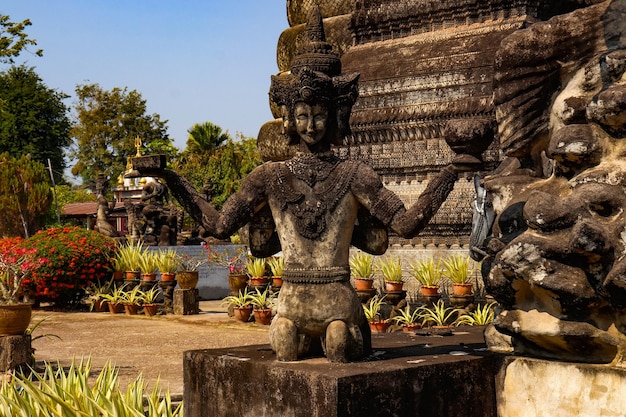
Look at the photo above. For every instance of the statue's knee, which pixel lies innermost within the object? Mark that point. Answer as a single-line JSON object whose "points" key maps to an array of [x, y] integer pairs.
{"points": [[284, 339], [343, 342]]}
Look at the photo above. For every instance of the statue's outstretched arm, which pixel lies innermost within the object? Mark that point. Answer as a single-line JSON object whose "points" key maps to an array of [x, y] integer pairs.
{"points": [[236, 212], [408, 223], [387, 207]]}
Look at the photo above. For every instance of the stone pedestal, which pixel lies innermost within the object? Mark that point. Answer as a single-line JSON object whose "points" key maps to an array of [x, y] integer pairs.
{"points": [[167, 288], [407, 375], [539, 388], [186, 301], [15, 351]]}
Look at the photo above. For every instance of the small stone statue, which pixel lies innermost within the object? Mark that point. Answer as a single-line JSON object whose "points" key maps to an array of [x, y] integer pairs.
{"points": [[313, 207], [102, 224]]}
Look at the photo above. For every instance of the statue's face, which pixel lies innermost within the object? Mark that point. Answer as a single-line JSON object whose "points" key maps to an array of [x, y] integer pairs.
{"points": [[311, 122]]}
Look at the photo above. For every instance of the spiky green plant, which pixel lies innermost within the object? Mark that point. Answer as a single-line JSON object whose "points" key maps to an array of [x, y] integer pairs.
{"points": [[391, 269], [407, 317], [256, 267], [261, 299], [167, 261], [276, 263], [482, 315], [242, 299], [60, 393], [150, 296], [438, 315], [458, 269], [130, 254], [426, 272], [362, 265], [372, 308]]}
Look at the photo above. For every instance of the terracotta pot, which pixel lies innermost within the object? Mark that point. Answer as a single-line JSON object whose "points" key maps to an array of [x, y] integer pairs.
{"points": [[363, 284], [429, 290], [168, 276], [150, 309], [131, 309], [393, 286], [148, 277], [187, 279], [118, 275], [379, 326], [462, 289], [263, 316], [258, 281], [100, 306], [409, 328], [132, 274], [116, 308], [15, 318], [237, 282], [277, 281], [242, 313]]}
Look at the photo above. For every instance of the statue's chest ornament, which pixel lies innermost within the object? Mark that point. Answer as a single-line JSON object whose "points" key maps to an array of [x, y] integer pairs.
{"points": [[325, 181]]}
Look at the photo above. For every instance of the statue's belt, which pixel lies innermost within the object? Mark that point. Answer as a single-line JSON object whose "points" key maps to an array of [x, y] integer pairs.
{"points": [[317, 275]]}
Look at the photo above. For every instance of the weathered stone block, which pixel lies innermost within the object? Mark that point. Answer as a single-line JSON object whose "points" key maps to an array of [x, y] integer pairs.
{"points": [[408, 376], [186, 301], [15, 351], [533, 387]]}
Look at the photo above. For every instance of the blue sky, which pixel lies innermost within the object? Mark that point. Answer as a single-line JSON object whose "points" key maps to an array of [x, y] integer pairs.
{"points": [[191, 60]]}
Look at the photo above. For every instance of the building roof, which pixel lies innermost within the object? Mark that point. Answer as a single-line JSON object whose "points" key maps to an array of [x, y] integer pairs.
{"points": [[88, 209]]}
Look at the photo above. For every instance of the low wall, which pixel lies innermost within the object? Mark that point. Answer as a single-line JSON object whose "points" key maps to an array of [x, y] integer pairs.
{"points": [[213, 280]]}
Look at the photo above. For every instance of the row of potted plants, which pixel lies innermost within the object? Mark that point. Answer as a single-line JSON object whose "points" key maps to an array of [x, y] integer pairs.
{"points": [[456, 269], [257, 303], [437, 315], [119, 298]]}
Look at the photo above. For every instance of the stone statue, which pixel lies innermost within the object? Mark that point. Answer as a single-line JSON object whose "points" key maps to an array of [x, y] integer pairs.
{"points": [[555, 259], [313, 207], [102, 224], [160, 227]]}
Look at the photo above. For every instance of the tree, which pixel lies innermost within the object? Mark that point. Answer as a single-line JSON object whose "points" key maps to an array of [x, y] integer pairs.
{"points": [[33, 118], [13, 39], [107, 124], [205, 138], [220, 171], [25, 196]]}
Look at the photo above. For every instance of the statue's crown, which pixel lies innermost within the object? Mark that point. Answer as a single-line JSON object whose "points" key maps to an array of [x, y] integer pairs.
{"points": [[315, 75]]}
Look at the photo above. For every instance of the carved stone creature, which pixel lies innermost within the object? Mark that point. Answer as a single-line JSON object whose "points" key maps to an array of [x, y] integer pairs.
{"points": [[557, 255], [102, 224], [313, 207]]}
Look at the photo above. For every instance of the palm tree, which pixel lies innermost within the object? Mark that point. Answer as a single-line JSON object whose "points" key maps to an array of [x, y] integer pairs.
{"points": [[205, 138]]}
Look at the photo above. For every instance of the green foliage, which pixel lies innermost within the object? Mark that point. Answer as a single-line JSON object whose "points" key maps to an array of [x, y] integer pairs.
{"points": [[372, 308], [261, 299], [391, 269], [457, 269], [406, 316], [277, 264], [205, 138], [149, 262], [219, 170], [439, 314], [128, 256], [242, 299], [13, 39], [256, 267], [33, 119], [133, 296], [107, 124], [167, 261], [56, 392], [482, 315], [150, 296], [25, 196], [76, 258], [362, 265], [427, 272]]}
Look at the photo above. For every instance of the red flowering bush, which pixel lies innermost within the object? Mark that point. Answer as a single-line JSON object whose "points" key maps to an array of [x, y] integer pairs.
{"points": [[76, 258], [16, 265]]}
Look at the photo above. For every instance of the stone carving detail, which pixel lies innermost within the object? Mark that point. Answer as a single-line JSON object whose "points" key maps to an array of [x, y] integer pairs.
{"points": [[556, 256]]}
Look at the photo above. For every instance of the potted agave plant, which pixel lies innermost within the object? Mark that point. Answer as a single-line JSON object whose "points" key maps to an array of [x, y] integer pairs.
{"points": [[362, 269], [391, 270], [130, 255], [241, 305], [256, 270], [262, 303], [408, 319], [149, 301], [372, 314], [428, 274], [167, 263], [439, 316], [95, 296], [16, 265], [457, 269], [277, 263], [116, 299], [148, 265], [131, 300]]}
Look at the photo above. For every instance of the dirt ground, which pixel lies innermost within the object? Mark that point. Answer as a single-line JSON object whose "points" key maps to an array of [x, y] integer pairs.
{"points": [[152, 346]]}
